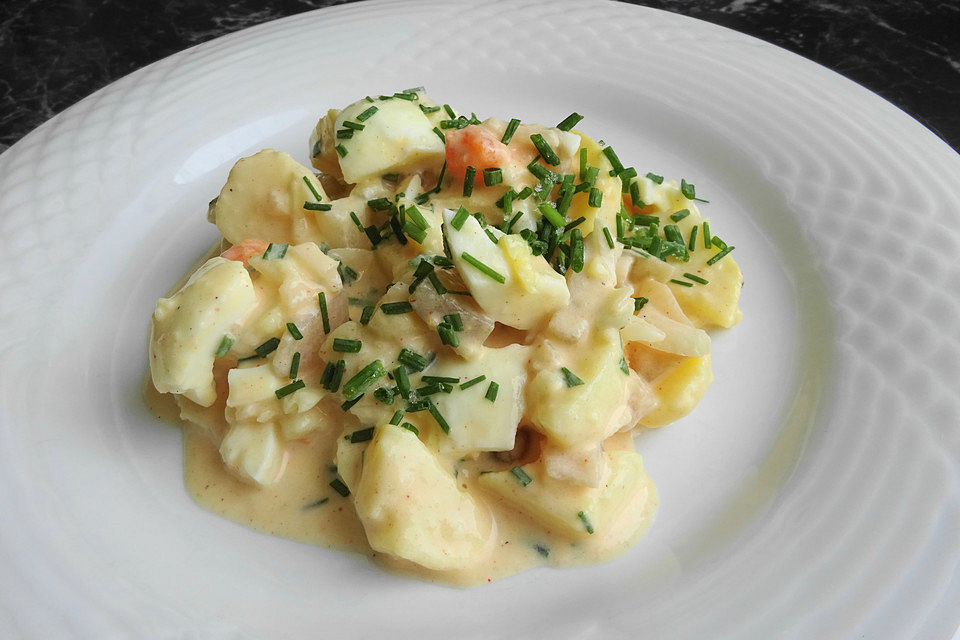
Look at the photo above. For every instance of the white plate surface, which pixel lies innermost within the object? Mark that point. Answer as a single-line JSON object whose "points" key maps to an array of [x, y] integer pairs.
{"points": [[815, 493]]}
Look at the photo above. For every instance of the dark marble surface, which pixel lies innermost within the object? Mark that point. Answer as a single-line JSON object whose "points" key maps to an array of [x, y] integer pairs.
{"points": [[55, 52]]}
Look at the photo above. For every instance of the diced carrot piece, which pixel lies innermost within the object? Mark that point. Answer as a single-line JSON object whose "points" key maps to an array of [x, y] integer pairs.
{"points": [[245, 249]]}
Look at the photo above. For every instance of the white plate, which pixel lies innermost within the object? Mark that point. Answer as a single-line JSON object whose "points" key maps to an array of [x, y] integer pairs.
{"points": [[813, 494]]}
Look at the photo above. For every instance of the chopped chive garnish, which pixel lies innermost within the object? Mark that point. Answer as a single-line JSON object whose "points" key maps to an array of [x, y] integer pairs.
{"points": [[570, 378], [624, 367], [718, 243], [620, 229], [655, 178], [443, 262], [570, 121], [361, 435], [549, 155], [347, 274], [609, 238], [614, 160], [356, 221], [682, 283], [356, 126], [696, 278], [412, 359], [689, 191], [492, 177], [450, 111], [327, 375], [522, 476], [437, 285], [707, 240], [672, 233], [429, 110], [459, 218], [344, 134], [552, 215], [362, 117], [635, 195], [490, 235], [337, 485], [586, 522], [583, 163], [455, 321], [439, 379], [469, 176], [591, 177], [411, 428], [492, 391], [363, 379], [275, 251], [396, 308], [346, 406], [509, 226], [343, 345], [313, 189], [482, 268], [397, 417], [224, 347], [639, 302], [417, 234], [595, 199], [403, 382], [283, 392], [524, 193], [294, 365], [336, 375], [314, 505], [322, 299], [380, 204], [448, 335], [341, 150], [511, 129], [470, 383], [373, 234], [576, 251], [317, 206], [440, 135], [294, 331], [679, 215], [719, 256], [414, 214], [267, 347], [438, 417], [693, 239]]}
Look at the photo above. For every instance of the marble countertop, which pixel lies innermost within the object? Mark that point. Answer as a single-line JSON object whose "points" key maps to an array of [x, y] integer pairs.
{"points": [[55, 52]]}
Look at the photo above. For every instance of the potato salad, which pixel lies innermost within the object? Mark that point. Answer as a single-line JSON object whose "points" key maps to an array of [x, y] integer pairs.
{"points": [[434, 345]]}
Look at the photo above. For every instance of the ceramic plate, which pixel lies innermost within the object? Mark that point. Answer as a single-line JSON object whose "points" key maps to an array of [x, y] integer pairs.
{"points": [[813, 494]]}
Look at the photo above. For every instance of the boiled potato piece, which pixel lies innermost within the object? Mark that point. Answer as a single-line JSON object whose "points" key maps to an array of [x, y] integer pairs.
{"points": [[302, 273], [412, 507], [253, 452], [263, 199], [396, 136], [187, 328], [617, 504], [531, 290], [253, 384], [679, 390]]}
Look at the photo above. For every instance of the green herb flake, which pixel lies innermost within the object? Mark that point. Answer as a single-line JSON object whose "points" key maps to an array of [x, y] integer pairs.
{"points": [[337, 485], [548, 154], [522, 476], [342, 345], [365, 115], [570, 121], [275, 251], [586, 522], [361, 435], [510, 130], [283, 392], [719, 256], [470, 383], [396, 308], [267, 347], [224, 347], [492, 391], [363, 380], [696, 278], [324, 315], [677, 216], [570, 378], [482, 268], [492, 176], [655, 178]]}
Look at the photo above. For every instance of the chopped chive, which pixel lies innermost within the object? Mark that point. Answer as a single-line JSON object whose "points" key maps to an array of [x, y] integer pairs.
{"points": [[342, 345], [341, 150], [362, 117], [707, 240], [411, 428], [492, 237], [679, 215], [224, 347], [442, 261], [414, 214], [450, 111], [619, 226], [327, 375], [275, 251], [614, 160], [595, 199], [437, 285], [609, 238], [322, 299], [655, 178], [459, 218], [570, 378], [355, 126], [440, 135], [576, 251], [511, 129], [672, 233], [336, 376], [294, 365], [314, 505], [506, 203], [317, 206], [689, 191], [644, 219], [492, 177], [347, 274], [549, 155], [356, 221], [313, 189], [522, 476], [363, 379], [346, 406], [718, 243], [469, 176], [696, 278], [484, 269], [448, 335], [283, 392], [397, 417], [570, 121], [470, 383], [396, 308], [456, 322], [635, 195], [337, 485], [509, 226], [345, 134], [438, 417], [583, 163], [492, 391], [682, 283], [591, 177], [624, 367], [380, 204], [403, 382], [294, 331], [361, 435], [524, 193], [417, 234], [552, 215], [626, 177], [428, 110], [586, 522], [639, 302], [373, 234], [267, 347], [412, 359], [719, 256], [693, 239]]}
